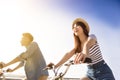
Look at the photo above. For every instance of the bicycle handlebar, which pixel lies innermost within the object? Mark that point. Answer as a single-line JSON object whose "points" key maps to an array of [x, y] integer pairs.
{"points": [[71, 62], [60, 75]]}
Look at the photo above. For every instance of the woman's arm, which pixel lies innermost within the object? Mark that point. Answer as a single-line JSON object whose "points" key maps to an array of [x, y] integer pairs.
{"points": [[65, 57], [80, 57], [89, 43]]}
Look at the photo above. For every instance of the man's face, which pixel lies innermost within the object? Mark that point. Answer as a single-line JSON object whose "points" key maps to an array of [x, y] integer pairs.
{"points": [[25, 41]]}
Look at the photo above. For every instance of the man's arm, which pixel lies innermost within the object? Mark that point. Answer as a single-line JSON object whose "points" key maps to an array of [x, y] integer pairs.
{"points": [[17, 67], [17, 59]]}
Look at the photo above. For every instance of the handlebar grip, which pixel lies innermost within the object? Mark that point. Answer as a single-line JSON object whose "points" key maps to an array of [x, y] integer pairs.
{"points": [[88, 60], [46, 68]]}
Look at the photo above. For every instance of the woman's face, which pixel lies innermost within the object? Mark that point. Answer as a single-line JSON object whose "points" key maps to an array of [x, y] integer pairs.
{"points": [[77, 30]]}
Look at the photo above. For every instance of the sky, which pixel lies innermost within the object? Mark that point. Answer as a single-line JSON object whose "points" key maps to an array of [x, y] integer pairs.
{"points": [[50, 23]]}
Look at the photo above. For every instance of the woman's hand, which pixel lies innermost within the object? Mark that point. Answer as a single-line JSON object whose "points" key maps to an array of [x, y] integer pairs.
{"points": [[80, 58]]}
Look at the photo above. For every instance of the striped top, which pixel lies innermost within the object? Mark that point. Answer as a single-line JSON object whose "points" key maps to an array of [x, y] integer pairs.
{"points": [[95, 54]]}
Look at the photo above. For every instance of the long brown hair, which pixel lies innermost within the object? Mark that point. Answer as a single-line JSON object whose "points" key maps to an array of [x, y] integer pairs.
{"points": [[77, 41]]}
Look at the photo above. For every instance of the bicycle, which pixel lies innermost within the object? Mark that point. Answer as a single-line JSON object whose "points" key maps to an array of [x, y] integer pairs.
{"points": [[4, 75], [61, 75]]}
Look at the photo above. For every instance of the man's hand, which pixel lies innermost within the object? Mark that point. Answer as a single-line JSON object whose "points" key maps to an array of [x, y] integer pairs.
{"points": [[49, 66], [1, 73], [2, 64], [9, 70]]}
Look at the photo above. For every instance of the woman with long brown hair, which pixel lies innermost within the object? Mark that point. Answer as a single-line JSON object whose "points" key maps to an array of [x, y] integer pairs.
{"points": [[86, 46]]}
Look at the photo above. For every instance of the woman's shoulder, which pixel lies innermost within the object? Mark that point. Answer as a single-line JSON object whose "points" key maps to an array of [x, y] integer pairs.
{"points": [[92, 39], [92, 36]]}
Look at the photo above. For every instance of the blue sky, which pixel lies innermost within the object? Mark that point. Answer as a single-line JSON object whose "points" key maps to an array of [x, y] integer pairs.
{"points": [[107, 10], [50, 23]]}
